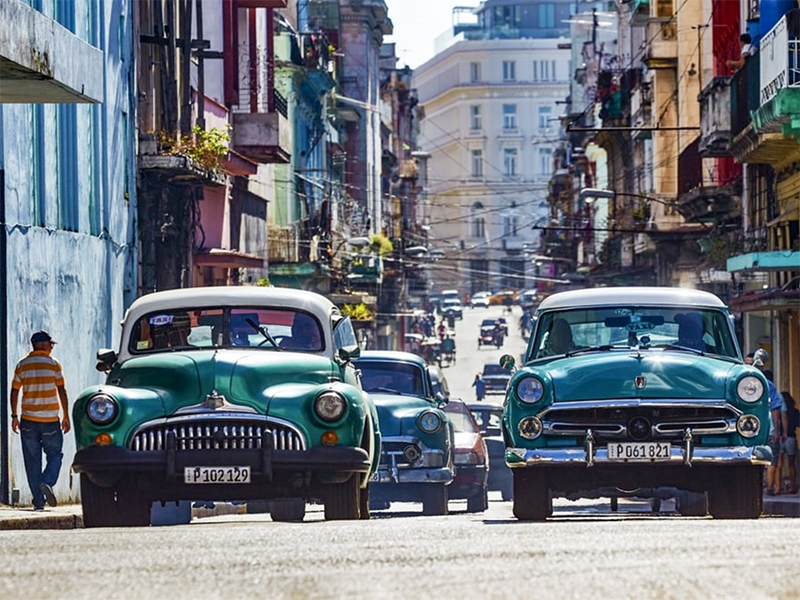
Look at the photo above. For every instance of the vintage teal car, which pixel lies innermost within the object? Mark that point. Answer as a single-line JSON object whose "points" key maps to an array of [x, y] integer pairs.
{"points": [[227, 393], [417, 460], [627, 389]]}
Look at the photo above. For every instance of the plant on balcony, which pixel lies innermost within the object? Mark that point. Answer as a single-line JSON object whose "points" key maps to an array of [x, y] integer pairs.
{"points": [[206, 148], [357, 312]]}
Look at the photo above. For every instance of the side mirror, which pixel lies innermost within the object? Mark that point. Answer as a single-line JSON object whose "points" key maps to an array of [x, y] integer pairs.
{"points": [[348, 353], [440, 399], [507, 362], [105, 359], [761, 357]]}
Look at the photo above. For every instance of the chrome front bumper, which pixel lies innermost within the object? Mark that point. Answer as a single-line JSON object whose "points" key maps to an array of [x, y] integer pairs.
{"points": [[413, 475], [725, 455]]}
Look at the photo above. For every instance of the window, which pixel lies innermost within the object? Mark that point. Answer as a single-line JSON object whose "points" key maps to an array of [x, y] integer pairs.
{"points": [[474, 71], [509, 116], [475, 117], [477, 163], [544, 117], [507, 16], [509, 70], [544, 70], [545, 161], [477, 220], [510, 225], [510, 161], [547, 15]]}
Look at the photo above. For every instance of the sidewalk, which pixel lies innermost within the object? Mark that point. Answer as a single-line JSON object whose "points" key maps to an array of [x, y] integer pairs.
{"points": [[69, 516]]}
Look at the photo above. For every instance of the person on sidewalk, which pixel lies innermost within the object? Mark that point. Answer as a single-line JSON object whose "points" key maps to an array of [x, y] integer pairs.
{"points": [[480, 387], [790, 421], [775, 409], [39, 377]]}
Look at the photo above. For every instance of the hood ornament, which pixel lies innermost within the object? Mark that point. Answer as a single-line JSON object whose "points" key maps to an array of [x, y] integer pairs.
{"points": [[214, 400], [640, 382]]}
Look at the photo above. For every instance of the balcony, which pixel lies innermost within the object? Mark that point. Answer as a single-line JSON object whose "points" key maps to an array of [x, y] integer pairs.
{"points": [[642, 108], [640, 13], [265, 136], [662, 53], [745, 91], [715, 118], [711, 203]]}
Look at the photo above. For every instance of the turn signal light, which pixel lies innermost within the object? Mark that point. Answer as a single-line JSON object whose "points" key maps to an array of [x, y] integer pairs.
{"points": [[102, 439], [329, 438]]}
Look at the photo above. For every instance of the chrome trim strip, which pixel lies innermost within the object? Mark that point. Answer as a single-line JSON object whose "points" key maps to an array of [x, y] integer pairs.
{"points": [[436, 475], [525, 457], [640, 403]]}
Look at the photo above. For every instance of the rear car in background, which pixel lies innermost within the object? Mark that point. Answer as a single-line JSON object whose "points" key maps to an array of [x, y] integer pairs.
{"points": [[529, 299], [496, 378], [633, 391], [480, 300], [471, 459], [416, 460], [489, 419], [452, 306]]}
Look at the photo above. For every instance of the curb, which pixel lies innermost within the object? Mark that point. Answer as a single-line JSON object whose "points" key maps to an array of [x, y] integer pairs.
{"points": [[53, 522], [784, 509]]}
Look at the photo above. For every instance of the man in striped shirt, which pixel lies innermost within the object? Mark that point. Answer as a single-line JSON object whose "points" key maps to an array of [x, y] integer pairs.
{"points": [[39, 377]]}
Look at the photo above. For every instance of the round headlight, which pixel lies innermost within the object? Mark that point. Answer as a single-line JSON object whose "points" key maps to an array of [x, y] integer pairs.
{"points": [[748, 426], [429, 422], [750, 389], [101, 409], [329, 406], [530, 428], [530, 390]]}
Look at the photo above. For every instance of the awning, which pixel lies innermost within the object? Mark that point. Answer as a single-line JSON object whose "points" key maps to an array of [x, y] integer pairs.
{"points": [[777, 260], [765, 300], [227, 259], [238, 164]]}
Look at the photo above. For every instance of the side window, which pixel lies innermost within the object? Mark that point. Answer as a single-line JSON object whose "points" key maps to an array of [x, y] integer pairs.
{"points": [[344, 335]]}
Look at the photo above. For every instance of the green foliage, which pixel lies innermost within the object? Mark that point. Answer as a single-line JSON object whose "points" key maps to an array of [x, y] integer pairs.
{"points": [[357, 312], [203, 147], [381, 244]]}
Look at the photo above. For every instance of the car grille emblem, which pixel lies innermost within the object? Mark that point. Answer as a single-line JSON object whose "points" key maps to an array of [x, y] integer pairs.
{"points": [[640, 382], [214, 400], [639, 428]]}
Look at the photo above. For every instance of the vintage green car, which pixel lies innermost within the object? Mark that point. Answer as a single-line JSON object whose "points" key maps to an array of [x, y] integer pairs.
{"points": [[417, 455], [227, 393], [627, 389]]}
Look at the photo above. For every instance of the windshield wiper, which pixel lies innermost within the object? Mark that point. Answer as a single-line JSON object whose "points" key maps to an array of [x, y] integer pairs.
{"points": [[387, 391], [590, 349], [679, 347], [263, 331]]}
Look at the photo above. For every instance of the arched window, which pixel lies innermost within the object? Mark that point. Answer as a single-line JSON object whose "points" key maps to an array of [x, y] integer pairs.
{"points": [[511, 221], [477, 220]]}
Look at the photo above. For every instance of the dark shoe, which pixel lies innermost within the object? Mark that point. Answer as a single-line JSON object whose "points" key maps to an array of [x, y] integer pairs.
{"points": [[38, 508], [48, 494]]}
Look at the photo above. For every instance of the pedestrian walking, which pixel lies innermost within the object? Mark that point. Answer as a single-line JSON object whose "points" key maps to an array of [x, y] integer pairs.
{"points": [[39, 377], [480, 387]]}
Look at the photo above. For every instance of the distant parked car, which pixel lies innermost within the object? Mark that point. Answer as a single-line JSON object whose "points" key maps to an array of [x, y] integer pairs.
{"points": [[417, 462], [439, 382], [496, 378], [235, 393], [504, 298], [471, 459], [480, 299], [452, 306], [489, 419], [529, 299]]}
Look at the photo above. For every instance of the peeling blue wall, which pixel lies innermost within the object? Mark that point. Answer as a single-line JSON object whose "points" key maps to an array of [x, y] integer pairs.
{"points": [[70, 196]]}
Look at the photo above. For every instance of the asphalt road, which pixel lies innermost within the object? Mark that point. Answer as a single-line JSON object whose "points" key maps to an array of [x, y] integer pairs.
{"points": [[583, 552], [470, 359]]}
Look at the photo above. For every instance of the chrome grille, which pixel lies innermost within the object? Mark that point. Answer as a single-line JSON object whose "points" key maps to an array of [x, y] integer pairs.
{"points": [[609, 421], [216, 434]]}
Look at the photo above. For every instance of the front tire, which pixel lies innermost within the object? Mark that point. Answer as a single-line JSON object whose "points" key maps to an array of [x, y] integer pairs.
{"points": [[479, 501], [342, 500], [692, 504], [363, 501], [531, 496], [738, 495], [435, 499], [99, 504]]}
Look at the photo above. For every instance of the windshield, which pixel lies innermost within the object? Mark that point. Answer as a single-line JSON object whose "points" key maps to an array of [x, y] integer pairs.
{"points": [[487, 419], [685, 329], [492, 369], [391, 378], [256, 327], [459, 415]]}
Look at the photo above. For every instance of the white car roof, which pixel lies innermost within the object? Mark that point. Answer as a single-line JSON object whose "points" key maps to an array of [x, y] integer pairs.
{"points": [[201, 297], [643, 296]]}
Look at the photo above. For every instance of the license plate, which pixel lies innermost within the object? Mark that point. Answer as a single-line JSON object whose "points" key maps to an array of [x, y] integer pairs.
{"points": [[216, 475], [639, 451]]}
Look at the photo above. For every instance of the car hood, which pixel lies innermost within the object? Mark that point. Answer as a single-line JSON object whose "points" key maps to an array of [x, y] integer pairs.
{"points": [[466, 440], [397, 414], [610, 375], [244, 378]]}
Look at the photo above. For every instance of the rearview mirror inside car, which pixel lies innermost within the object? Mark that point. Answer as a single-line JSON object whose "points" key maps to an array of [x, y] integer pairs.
{"points": [[507, 362]]}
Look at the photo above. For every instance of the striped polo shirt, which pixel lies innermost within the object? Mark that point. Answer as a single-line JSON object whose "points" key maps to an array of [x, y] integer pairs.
{"points": [[39, 375]]}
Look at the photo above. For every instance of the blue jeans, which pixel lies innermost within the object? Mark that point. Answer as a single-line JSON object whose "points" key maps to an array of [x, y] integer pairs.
{"points": [[38, 438]]}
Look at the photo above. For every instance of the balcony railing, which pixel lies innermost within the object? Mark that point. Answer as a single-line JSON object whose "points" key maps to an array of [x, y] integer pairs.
{"points": [[663, 47], [745, 94], [715, 118]]}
